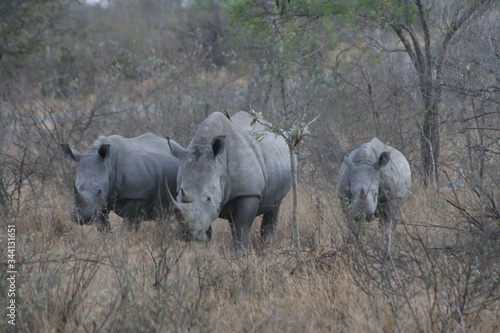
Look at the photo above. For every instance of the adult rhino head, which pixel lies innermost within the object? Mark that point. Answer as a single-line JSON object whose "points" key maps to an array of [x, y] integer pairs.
{"points": [[200, 187], [92, 184], [364, 186]]}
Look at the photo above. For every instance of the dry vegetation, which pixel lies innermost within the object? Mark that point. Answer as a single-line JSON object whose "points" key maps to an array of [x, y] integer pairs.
{"points": [[72, 279], [438, 272]]}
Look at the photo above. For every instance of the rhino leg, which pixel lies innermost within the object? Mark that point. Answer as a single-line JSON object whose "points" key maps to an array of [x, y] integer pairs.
{"points": [[269, 220], [352, 222], [133, 212], [102, 223], [241, 216], [209, 233], [132, 224], [345, 203], [389, 213]]}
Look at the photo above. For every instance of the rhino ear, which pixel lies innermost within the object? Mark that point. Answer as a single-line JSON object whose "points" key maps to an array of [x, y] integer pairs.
{"points": [[70, 152], [218, 145], [383, 159], [349, 162], [176, 149], [103, 151]]}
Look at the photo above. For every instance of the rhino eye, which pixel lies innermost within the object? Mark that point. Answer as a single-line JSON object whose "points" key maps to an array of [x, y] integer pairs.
{"points": [[209, 199]]}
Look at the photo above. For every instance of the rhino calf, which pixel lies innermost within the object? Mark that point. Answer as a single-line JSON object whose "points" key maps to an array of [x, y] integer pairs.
{"points": [[129, 176], [374, 180], [229, 173]]}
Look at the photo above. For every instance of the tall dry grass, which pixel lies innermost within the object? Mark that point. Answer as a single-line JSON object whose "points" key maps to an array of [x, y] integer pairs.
{"points": [[71, 279]]}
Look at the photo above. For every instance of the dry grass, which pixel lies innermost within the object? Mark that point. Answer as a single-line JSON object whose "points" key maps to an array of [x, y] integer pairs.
{"points": [[73, 280]]}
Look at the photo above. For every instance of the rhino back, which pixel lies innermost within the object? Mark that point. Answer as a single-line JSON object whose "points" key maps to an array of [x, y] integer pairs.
{"points": [[396, 176], [140, 165], [272, 156]]}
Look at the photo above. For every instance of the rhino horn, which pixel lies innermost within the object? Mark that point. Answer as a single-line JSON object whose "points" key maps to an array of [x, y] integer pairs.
{"points": [[170, 199], [362, 194], [186, 198]]}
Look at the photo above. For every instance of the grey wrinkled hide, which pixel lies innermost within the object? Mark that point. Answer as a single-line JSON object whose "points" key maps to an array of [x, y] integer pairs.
{"points": [[127, 176], [227, 172], [374, 180]]}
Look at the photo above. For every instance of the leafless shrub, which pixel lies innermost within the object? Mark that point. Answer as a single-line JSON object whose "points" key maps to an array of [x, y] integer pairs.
{"points": [[69, 276], [441, 281], [53, 287]]}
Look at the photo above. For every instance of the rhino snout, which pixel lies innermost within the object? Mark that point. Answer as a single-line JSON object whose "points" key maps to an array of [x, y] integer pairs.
{"points": [[364, 211], [368, 217], [361, 216], [80, 217], [86, 215], [187, 234]]}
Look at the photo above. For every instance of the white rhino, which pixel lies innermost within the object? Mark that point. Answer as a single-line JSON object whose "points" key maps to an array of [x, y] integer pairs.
{"points": [[374, 180], [127, 176], [228, 172]]}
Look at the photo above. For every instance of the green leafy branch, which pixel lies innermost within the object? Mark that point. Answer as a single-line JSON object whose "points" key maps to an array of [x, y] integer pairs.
{"points": [[294, 136]]}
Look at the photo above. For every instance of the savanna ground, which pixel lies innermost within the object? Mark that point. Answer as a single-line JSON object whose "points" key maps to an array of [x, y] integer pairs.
{"points": [[71, 279]]}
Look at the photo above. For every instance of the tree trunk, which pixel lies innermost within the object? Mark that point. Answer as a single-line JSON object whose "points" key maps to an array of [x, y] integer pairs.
{"points": [[430, 146], [294, 222]]}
